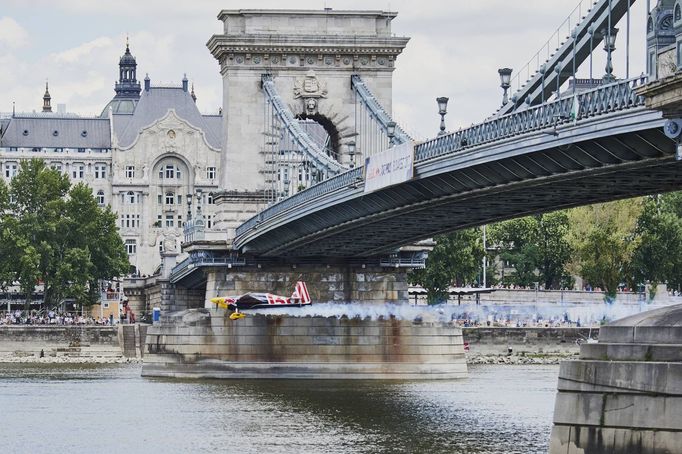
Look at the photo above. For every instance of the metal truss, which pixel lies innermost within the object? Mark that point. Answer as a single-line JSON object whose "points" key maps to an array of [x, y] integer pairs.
{"points": [[376, 111], [606, 99], [313, 152]]}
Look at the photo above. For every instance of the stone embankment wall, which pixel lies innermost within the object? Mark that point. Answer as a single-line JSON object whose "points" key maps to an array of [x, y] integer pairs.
{"points": [[526, 297], [533, 341], [94, 343]]}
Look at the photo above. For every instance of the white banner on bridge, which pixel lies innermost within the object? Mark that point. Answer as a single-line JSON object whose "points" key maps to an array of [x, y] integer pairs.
{"points": [[392, 166]]}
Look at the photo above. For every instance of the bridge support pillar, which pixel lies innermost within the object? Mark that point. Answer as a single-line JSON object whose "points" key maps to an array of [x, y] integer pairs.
{"points": [[326, 283], [235, 207]]}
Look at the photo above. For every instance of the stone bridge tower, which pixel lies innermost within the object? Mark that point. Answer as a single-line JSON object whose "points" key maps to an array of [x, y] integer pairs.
{"points": [[311, 56]]}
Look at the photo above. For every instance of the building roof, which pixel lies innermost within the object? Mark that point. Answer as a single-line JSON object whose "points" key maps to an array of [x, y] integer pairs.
{"points": [[154, 104], [56, 132]]}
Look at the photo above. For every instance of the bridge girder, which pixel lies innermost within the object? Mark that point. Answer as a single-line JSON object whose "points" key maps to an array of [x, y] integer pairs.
{"points": [[610, 157]]}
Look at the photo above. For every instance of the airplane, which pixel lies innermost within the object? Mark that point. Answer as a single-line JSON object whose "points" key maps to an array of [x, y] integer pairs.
{"points": [[299, 298]]}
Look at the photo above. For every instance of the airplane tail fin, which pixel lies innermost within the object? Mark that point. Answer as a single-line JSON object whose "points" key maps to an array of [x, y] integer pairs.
{"points": [[301, 293]]}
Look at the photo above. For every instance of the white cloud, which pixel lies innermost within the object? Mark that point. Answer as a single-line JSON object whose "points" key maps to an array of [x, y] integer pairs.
{"points": [[12, 34], [78, 52], [455, 50]]}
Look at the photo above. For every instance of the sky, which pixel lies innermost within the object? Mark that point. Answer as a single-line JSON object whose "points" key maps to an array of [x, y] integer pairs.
{"points": [[455, 49]]}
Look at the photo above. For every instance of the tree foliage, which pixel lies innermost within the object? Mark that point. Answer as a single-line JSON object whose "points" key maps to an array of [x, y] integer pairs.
{"points": [[603, 236], [455, 260], [537, 247], [657, 256], [55, 233]]}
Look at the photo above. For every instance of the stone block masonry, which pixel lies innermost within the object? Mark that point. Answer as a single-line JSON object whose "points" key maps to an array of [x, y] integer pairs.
{"points": [[326, 283], [624, 394], [203, 343]]}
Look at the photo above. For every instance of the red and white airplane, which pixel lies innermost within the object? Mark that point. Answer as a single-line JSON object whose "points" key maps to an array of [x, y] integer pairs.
{"points": [[299, 298]]}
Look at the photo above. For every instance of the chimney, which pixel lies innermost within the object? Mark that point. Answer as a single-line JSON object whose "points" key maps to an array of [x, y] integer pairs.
{"points": [[185, 83], [147, 82]]}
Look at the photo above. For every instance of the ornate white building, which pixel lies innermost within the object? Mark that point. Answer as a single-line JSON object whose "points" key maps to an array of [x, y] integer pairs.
{"points": [[151, 155]]}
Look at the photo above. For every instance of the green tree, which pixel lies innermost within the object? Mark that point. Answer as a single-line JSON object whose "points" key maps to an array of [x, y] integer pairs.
{"points": [[537, 247], [603, 236], [658, 255], [455, 259], [58, 235]]}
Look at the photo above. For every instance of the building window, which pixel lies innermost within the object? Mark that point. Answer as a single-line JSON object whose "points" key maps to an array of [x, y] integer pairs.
{"points": [[131, 247], [209, 221], [100, 171], [210, 173], [130, 171], [100, 198], [78, 171], [170, 171], [170, 198], [210, 198], [81, 150], [179, 220], [11, 169], [131, 198], [179, 199], [169, 220], [56, 166]]}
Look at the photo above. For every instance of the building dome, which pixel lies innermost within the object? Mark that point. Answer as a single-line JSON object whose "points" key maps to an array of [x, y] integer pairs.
{"points": [[127, 58]]}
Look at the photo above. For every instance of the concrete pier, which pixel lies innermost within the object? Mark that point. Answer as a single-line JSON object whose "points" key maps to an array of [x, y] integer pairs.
{"points": [[205, 343], [624, 394]]}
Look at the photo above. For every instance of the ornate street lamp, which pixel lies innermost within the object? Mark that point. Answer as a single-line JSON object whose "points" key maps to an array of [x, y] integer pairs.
{"points": [[351, 154], [442, 110], [505, 79], [609, 47], [189, 206], [390, 132]]}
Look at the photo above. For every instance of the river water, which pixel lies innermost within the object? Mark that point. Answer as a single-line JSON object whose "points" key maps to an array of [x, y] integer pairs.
{"points": [[111, 409]]}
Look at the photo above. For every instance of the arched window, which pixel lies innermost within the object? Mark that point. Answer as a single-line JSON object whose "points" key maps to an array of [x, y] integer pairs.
{"points": [[678, 12], [131, 198], [100, 198], [170, 198], [650, 25]]}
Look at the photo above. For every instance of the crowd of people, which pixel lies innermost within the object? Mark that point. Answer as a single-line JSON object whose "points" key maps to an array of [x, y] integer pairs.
{"points": [[18, 317]]}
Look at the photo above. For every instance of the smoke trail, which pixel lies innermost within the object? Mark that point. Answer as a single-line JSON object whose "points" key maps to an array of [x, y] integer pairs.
{"points": [[512, 313]]}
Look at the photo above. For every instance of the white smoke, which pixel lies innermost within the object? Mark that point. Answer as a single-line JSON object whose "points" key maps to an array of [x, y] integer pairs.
{"points": [[363, 311], [586, 314]]}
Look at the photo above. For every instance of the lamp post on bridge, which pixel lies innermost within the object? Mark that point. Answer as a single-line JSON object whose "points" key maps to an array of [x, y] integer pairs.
{"points": [[390, 132], [442, 110], [505, 79], [189, 207], [351, 154], [609, 47]]}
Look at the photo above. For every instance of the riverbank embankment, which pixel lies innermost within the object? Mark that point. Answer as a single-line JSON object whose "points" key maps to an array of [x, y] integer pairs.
{"points": [[106, 344], [71, 343], [524, 345]]}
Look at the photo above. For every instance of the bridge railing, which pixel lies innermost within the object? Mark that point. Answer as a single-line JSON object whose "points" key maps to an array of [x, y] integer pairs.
{"points": [[572, 108], [602, 100]]}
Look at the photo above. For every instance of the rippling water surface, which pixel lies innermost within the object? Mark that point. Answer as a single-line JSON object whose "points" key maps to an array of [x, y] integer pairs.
{"points": [[93, 409]]}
